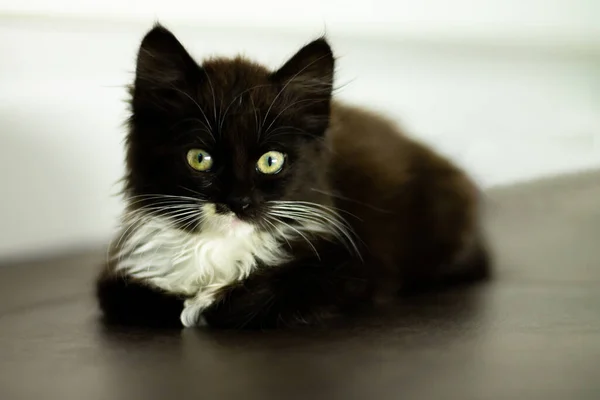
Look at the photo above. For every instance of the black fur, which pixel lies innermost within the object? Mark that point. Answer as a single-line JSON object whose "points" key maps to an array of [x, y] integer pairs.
{"points": [[128, 302], [411, 209]]}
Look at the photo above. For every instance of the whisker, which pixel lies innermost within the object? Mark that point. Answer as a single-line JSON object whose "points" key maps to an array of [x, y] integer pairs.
{"points": [[160, 201], [329, 225], [123, 234], [176, 214], [213, 93], [202, 196], [173, 215], [234, 99], [255, 114], [339, 196], [189, 221], [292, 130], [199, 108], [161, 196], [284, 110], [299, 233], [293, 203], [323, 217], [310, 207], [177, 220], [136, 246], [282, 234]]}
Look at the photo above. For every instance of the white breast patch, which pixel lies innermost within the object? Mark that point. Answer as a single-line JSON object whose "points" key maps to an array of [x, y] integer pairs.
{"points": [[224, 251]]}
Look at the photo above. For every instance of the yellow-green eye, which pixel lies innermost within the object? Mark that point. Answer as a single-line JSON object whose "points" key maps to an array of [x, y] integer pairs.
{"points": [[271, 162], [199, 159]]}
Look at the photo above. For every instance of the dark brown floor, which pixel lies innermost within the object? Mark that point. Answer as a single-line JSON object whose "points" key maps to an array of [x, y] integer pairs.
{"points": [[533, 333]]}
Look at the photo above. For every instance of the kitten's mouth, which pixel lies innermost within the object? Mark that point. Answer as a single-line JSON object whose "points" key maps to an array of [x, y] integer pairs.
{"points": [[242, 215], [232, 224], [235, 221], [224, 220]]}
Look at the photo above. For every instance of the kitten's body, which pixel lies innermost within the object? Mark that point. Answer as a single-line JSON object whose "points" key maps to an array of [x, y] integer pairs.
{"points": [[395, 215]]}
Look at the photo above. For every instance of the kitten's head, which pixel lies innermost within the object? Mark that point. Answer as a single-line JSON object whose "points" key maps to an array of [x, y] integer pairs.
{"points": [[227, 137]]}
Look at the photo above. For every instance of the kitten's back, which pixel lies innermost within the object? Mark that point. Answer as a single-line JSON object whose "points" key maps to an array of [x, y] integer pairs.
{"points": [[408, 204]]}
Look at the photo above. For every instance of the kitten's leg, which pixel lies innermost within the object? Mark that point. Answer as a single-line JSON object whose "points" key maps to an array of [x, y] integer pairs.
{"points": [[471, 265], [191, 315], [455, 223], [305, 292], [126, 301]]}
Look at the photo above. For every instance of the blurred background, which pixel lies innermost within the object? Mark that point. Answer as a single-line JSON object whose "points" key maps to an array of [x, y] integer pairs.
{"points": [[509, 89]]}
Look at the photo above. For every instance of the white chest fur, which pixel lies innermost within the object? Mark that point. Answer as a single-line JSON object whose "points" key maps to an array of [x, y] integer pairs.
{"points": [[197, 265]]}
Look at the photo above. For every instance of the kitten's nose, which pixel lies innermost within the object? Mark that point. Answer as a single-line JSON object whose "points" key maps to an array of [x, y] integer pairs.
{"points": [[238, 204]]}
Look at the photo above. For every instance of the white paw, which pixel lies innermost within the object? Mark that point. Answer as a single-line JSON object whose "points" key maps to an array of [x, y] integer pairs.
{"points": [[191, 315]]}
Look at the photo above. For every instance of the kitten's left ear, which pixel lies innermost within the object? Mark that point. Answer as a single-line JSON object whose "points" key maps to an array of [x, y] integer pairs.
{"points": [[164, 72], [162, 59], [310, 70]]}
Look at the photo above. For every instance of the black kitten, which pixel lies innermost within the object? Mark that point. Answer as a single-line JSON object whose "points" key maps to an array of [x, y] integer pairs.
{"points": [[255, 201]]}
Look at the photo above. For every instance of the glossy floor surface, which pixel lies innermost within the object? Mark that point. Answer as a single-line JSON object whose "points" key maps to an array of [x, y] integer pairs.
{"points": [[533, 332]]}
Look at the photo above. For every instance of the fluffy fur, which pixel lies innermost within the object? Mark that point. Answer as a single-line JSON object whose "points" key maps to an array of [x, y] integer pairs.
{"points": [[358, 214], [223, 252]]}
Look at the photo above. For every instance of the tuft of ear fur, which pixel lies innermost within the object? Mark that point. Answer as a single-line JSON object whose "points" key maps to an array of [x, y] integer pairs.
{"points": [[164, 69], [162, 59], [308, 75], [310, 70]]}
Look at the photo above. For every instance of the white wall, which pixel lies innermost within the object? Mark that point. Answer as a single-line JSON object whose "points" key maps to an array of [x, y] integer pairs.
{"points": [[544, 20], [506, 107]]}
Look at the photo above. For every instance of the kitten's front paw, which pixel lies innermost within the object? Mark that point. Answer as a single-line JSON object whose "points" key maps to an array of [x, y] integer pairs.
{"points": [[191, 315]]}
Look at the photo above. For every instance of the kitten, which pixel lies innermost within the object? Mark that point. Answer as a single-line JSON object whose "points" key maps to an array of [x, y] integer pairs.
{"points": [[255, 200]]}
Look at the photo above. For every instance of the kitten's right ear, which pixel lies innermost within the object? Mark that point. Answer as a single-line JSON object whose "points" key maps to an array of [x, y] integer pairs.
{"points": [[163, 65]]}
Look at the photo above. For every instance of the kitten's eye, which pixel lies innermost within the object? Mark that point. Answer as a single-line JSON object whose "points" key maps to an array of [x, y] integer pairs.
{"points": [[199, 159], [270, 163]]}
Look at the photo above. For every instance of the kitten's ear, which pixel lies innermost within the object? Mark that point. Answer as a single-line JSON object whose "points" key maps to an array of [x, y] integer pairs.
{"points": [[310, 70], [164, 67]]}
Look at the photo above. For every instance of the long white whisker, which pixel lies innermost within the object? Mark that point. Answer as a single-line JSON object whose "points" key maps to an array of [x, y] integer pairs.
{"points": [[299, 233], [266, 132], [314, 207], [282, 234], [210, 129], [123, 234], [212, 89], [294, 204], [292, 130], [174, 215], [324, 222], [167, 207], [233, 101], [255, 114], [339, 196], [137, 217], [189, 221], [326, 218], [142, 197], [138, 245], [175, 221], [327, 224], [201, 196]]}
